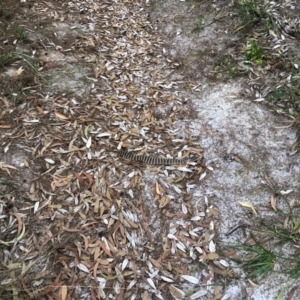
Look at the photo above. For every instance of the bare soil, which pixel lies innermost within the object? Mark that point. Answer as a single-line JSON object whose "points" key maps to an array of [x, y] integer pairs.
{"points": [[81, 80]]}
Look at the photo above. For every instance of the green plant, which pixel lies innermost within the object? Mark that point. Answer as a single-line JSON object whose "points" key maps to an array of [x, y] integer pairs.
{"points": [[250, 11], [274, 248], [17, 97], [199, 24], [260, 262], [4, 13], [253, 12], [285, 98], [227, 67], [253, 52], [275, 242], [10, 57], [21, 34], [6, 187], [5, 58]]}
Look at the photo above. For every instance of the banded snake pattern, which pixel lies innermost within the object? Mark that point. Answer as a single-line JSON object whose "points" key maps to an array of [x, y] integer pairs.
{"points": [[154, 160]]}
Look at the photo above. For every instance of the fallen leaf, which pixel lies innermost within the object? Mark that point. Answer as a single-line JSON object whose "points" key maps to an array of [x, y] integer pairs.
{"points": [[191, 279], [249, 205], [90, 178], [105, 248], [292, 292], [63, 292], [39, 109], [157, 188], [61, 116], [210, 256], [177, 293], [252, 283], [17, 72], [273, 202], [164, 201]]}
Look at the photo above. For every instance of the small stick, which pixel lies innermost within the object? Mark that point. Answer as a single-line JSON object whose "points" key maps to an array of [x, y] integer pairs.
{"points": [[241, 225]]}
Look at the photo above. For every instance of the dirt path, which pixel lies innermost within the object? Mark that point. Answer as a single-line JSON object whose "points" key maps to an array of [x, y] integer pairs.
{"points": [[92, 78]]}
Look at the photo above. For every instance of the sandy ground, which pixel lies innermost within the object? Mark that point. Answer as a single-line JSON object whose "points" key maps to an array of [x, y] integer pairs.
{"points": [[244, 145]]}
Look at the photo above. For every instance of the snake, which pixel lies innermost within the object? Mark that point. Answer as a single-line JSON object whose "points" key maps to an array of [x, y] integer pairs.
{"points": [[153, 160]]}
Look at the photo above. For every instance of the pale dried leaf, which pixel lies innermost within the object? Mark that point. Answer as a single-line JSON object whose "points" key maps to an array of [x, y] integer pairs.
{"points": [[176, 292], [248, 205], [83, 268], [167, 279], [198, 294], [191, 279], [150, 281]]}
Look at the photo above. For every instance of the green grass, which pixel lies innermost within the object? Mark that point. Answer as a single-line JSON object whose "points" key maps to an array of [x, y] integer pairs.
{"points": [[274, 248], [6, 188], [199, 24], [261, 263], [10, 57], [252, 13], [274, 242], [21, 34], [253, 53], [285, 98], [17, 95], [227, 67], [4, 14]]}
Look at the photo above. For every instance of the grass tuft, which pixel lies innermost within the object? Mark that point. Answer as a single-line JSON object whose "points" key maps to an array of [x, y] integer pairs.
{"points": [[261, 260], [21, 34], [253, 53]]}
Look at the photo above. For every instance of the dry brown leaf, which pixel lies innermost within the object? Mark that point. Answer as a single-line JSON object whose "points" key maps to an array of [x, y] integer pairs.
{"points": [[86, 241], [134, 268], [95, 270], [26, 164], [105, 249], [3, 166], [17, 73], [210, 256], [156, 198], [20, 223], [132, 224], [111, 242], [50, 288], [63, 292], [97, 252], [90, 178], [155, 262], [273, 202], [39, 109], [291, 293], [80, 180], [93, 296], [176, 292], [70, 230], [82, 215], [157, 188], [252, 283], [61, 116], [165, 200]]}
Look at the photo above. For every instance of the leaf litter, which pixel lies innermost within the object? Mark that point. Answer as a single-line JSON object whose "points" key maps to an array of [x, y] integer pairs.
{"points": [[96, 226]]}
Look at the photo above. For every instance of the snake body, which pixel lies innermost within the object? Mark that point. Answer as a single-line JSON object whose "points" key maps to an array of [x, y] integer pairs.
{"points": [[152, 160]]}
